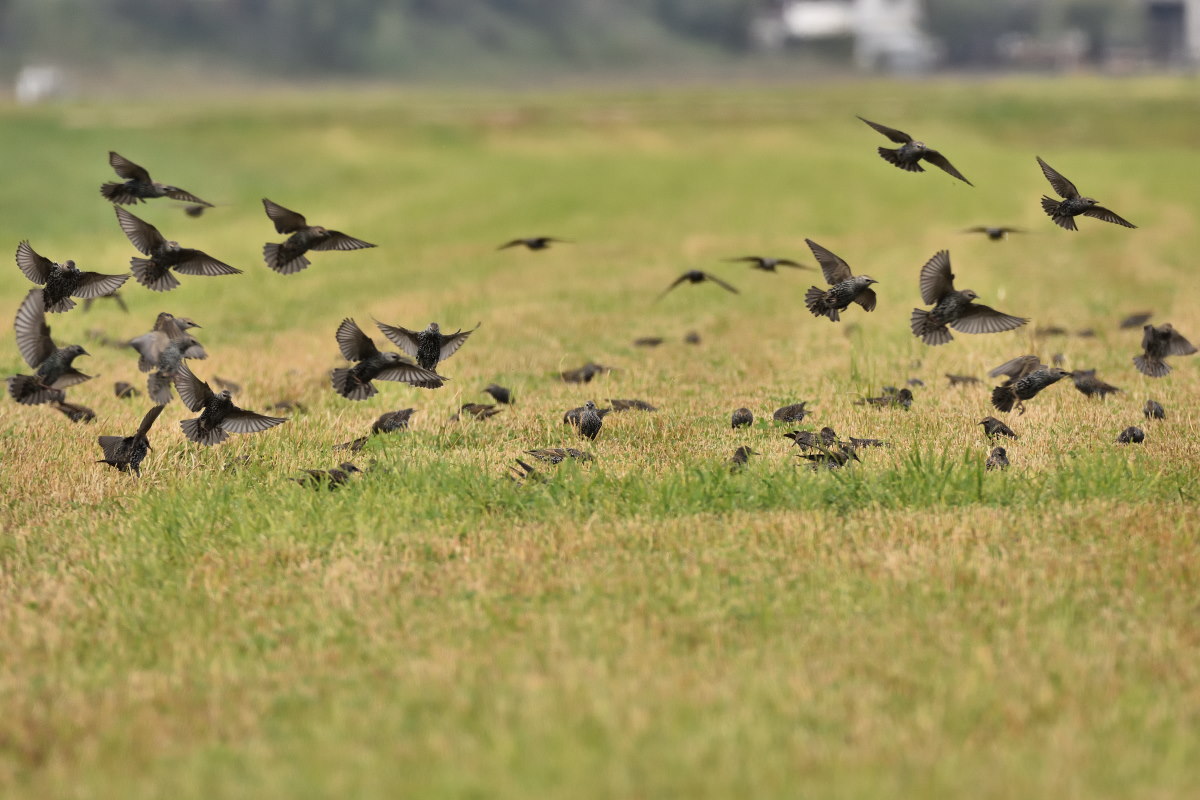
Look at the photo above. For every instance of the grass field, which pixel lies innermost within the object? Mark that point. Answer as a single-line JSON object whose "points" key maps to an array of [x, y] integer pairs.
{"points": [[649, 624]]}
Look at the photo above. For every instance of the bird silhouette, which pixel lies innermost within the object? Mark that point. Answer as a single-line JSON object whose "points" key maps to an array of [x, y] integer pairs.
{"points": [[847, 287], [1073, 204], [139, 187], [911, 152], [219, 417], [354, 383], [127, 452], [62, 281], [953, 308], [155, 272], [697, 276], [288, 257]]}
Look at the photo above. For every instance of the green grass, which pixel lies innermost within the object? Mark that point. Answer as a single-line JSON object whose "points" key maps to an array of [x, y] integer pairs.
{"points": [[649, 624]]}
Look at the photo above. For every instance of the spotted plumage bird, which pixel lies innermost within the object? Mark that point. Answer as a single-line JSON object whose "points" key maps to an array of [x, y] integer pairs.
{"points": [[953, 308], [74, 411], [585, 373], [328, 478], [1087, 382], [961, 380], [219, 417], [847, 287], [127, 452], [742, 418], [155, 272], [354, 383], [794, 412], [287, 258], [697, 276], [632, 405], [766, 263], [387, 423], [590, 421], [430, 346], [125, 391], [741, 457], [533, 242], [827, 458], [1154, 410], [1026, 377], [62, 281], [1131, 435], [557, 455], [476, 411], [52, 364], [499, 393], [997, 459], [574, 416], [899, 398], [911, 152], [139, 187], [1073, 204], [993, 427], [1158, 343], [809, 440], [995, 234]]}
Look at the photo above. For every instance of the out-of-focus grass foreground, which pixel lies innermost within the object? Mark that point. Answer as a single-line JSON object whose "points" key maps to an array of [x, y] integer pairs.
{"points": [[648, 624]]}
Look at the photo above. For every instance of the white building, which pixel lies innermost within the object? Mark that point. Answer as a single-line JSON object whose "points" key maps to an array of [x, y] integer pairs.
{"points": [[1173, 31]]}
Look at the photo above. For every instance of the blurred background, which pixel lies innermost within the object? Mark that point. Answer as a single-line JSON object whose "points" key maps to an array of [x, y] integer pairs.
{"points": [[53, 48]]}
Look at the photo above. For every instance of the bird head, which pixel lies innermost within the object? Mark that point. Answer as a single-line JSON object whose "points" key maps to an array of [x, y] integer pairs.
{"points": [[225, 395], [999, 451], [1091, 201], [346, 466], [590, 405], [1061, 373], [76, 350], [433, 328], [318, 230], [171, 245], [970, 294], [867, 280], [828, 435], [68, 265], [394, 358]]}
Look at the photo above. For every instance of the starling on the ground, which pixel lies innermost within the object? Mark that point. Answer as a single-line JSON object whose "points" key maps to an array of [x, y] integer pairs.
{"points": [[476, 410], [741, 457], [1154, 410], [962, 380], [54, 372], [585, 373], [767, 264], [828, 458], [1131, 435], [915, 382], [648, 341], [856, 443], [61, 281], [1087, 382], [574, 416], [523, 472], [847, 287], [126, 452], [125, 391], [1064, 211], [1136, 320], [691, 338], [1086, 333], [74, 412], [155, 272], [533, 242], [796, 412], [590, 421], [1158, 343], [219, 417], [742, 418], [430, 346], [354, 383], [956, 309], [233, 387], [557, 455], [387, 423], [632, 405], [328, 479], [288, 257], [898, 398], [499, 393], [138, 186], [1026, 378], [1043, 331], [995, 234], [997, 460], [993, 427], [115, 296], [808, 440], [910, 153], [697, 276]]}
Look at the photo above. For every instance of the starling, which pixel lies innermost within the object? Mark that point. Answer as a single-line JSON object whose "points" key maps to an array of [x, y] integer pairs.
{"points": [[830, 458], [533, 243], [997, 460], [856, 443], [1158, 343], [430, 346], [691, 338], [1087, 382], [61, 281], [233, 387], [155, 272], [807, 440], [956, 309], [170, 359], [557, 455], [1131, 435], [1017, 367], [1064, 211], [631, 405], [126, 452], [192, 210], [1136, 320], [355, 383], [524, 472], [73, 412], [742, 418], [962, 380], [1154, 410], [585, 373], [477, 410], [138, 187], [590, 421], [167, 327], [900, 398], [387, 423], [1026, 379], [1086, 333], [115, 296], [288, 258], [54, 372], [767, 264], [847, 288], [219, 417], [648, 341], [740, 457], [995, 234], [1050, 330], [915, 382], [328, 479], [499, 393], [796, 412], [125, 391], [287, 407], [910, 153], [697, 276], [993, 427], [574, 416]]}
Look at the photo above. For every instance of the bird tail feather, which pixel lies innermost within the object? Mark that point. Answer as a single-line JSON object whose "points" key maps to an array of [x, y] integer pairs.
{"points": [[29, 391], [1004, 398], [1050, 206], [158, 386], [892, 156], [929, 332], [119, 193], [272, 257], [191, 429], [349, 388], [153, 277], [814, 300], [1153, 367], [65, 304]]}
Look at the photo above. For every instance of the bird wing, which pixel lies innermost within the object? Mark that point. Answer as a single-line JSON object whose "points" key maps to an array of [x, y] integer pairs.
{"points": [[239, 420], [513, 243], [1064, 187], [354, 344], [1017, 367], [148, 420], [411, 374], [93, 284], [899, 137], [70, 378], [835, 269], [984, 319], [866, 298], [36, 267], [787, 262], [403, 338], [33, 334], [939, 160], [200, 263], [1179, 346], [336, 240], [144, 236], [1100, 212], [675, 283], [976, 229], [747, 259], [451, 342], [937, 280], [127, 169], [111, 445], [286, 220], [720, 283], [149, 347], [175, 193], [192, 391]]}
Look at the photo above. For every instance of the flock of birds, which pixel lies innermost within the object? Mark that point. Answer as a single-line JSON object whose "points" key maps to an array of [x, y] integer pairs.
{"points": [[165, 350]]}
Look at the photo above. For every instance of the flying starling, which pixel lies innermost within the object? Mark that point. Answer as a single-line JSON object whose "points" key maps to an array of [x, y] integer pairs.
{"points": [[743, 418], [910, 153], [796, 412], [1136, 320], [767, 264], [590, 421], [993, 427], [997, 460], [533, 242], [1087, 382], [557, 455], [155, 272], [328, 479], [1026, 378], [632, 405], [585, 373], [387, 423], [73, 412], [1064, 211], [995, 234], [697, 276], [430, 346], [114, 296], [962, 380], [126, 452], [355, 383], [167, 328], [138, 187], [1131, 435], [288, 258], [741, 457], [125, 391], [61, 281], [219, 417], [956, 309], [499, 393], [1158, 343], [54, 372], [898, 398], [691, 338], [170, 359], [476, 410], [1154, 410], [847, 288]]}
